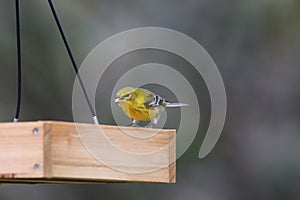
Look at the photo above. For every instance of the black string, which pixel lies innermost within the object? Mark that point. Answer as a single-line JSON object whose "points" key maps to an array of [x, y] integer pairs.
{"points": [[19, 62], [72, 58]]}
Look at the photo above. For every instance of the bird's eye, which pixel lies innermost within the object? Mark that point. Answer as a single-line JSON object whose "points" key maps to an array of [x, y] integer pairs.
{"points": [[126, 96]]}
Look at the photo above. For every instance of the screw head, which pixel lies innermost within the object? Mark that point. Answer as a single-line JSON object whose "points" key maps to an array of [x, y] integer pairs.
{"points": [[37, 167], [36, 131]]}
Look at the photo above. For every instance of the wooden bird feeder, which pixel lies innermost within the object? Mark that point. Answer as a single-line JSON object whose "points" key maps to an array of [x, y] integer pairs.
{"points": [[55, 152], [48, 151]]}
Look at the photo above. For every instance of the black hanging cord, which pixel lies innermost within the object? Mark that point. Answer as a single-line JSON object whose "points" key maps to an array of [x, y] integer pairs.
{"points": [[73, 61], [19, 61]]}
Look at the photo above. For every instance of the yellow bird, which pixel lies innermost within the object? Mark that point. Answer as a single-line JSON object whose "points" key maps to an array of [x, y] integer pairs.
{"points": [[142, 105]]}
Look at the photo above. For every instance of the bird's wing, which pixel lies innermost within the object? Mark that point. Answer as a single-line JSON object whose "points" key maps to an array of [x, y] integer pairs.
{"points": [[156, 101], [147, 98], [142, 98]]}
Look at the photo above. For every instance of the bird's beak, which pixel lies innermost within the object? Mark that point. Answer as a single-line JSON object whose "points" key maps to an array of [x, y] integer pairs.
{"points": [[118, 99]]}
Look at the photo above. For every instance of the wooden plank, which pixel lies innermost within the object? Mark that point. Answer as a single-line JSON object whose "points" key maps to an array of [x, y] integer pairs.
{"points": [[172, 158], [21, 150], [71, 152], [69, 156]]}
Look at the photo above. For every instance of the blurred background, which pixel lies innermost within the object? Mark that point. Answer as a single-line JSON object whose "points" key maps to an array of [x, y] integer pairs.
{"points": [[256, 46]]}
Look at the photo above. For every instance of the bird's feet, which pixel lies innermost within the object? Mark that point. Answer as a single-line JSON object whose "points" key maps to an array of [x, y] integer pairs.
{"points": [[134, 123]]}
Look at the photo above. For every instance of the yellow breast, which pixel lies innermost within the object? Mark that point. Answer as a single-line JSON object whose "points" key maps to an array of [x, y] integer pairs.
{"points": [[140, 113]]}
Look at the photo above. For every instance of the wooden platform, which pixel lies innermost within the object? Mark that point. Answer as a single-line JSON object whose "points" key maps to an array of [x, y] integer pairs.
{"points": [[48, 151]]}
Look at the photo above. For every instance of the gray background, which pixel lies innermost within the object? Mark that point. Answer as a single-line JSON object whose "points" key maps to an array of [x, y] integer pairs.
{"points": [[255, 44]]}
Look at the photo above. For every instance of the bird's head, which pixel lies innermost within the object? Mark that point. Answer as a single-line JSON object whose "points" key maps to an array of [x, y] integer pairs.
{"points": [[124, 94]]}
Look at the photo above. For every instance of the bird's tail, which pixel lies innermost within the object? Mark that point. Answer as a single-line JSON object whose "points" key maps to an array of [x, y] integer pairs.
{"points": [[175, 105]]}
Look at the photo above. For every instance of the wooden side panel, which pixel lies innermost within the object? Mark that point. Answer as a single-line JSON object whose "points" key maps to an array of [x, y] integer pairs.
{"points": [[114, 155], [21, 150], [172, 157]]}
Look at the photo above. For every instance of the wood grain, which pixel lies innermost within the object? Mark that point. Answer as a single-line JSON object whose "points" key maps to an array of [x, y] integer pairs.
{"points": [[21, 150], [69, 152]]}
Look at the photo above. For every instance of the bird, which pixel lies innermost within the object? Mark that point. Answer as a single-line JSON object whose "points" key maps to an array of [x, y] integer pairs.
{"points": [[140, 104]]}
